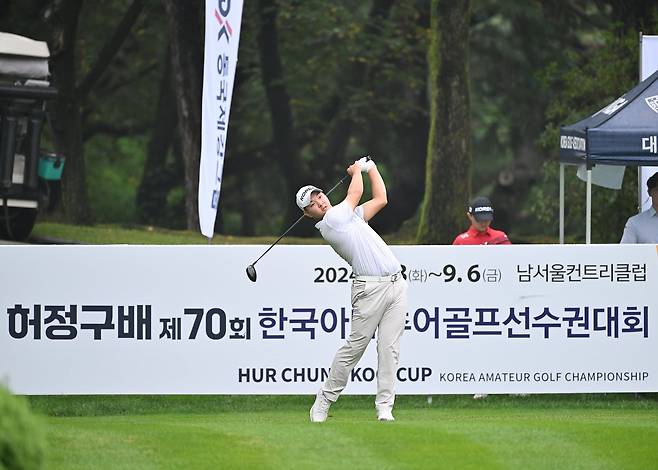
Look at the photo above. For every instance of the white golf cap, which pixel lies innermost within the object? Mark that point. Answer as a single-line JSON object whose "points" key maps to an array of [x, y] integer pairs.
{"points": [[303, 197]]}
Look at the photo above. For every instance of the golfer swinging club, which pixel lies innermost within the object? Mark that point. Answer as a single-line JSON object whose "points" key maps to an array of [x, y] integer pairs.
{"points": [[379, 293]]}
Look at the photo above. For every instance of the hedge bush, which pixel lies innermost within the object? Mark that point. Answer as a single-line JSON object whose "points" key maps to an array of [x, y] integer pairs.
{"points": [[21, 437]]}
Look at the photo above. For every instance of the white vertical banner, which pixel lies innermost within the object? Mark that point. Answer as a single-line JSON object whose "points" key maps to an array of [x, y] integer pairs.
{"points": [[648, 65], [223, 19]]}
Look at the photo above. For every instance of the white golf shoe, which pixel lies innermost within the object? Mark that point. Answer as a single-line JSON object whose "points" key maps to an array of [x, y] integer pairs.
{"points": [[320, 408], [385, 414]]}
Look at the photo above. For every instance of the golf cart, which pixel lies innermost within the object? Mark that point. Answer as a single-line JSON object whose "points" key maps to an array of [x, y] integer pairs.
{"points": [[26, 172]]}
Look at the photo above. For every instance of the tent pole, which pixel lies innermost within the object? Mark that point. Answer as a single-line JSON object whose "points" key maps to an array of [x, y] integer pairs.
{"points": [[588, 215], [561, 203], [639, 189], [639, 168], [640, 58]]}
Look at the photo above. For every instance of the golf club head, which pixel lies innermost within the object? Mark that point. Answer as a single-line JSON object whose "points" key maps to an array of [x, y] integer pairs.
{"points": [[251, 270], [251, 273]]}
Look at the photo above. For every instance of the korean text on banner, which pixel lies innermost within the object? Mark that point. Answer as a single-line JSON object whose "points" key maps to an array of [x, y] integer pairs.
{"points": [[223, 19], [142, 319]]}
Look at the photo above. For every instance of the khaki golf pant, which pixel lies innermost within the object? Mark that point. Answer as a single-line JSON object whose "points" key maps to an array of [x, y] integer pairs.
{"points": [[378, 303]]}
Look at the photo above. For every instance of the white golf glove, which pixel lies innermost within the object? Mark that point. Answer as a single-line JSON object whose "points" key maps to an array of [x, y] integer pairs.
{"points": [[365, 164]]}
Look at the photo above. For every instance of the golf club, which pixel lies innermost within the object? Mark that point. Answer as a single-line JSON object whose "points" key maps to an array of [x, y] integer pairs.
{"points": [[251, 270]]}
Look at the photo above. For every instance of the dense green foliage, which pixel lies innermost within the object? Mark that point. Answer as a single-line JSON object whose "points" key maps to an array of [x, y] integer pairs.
{"points": [[598, 79], [21, 436], [354, 78]]}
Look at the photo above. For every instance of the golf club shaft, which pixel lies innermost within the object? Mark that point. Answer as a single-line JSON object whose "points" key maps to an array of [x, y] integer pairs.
{"points": [[296, 222], [278, 239], [337, 184]]}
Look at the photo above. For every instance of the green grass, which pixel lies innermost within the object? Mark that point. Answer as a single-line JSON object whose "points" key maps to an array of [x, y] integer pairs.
{"points": [[545, 431], [147, 235]]}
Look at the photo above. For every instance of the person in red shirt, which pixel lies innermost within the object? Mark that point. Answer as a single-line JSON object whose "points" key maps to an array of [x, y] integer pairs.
{"points": [[480, 214]]}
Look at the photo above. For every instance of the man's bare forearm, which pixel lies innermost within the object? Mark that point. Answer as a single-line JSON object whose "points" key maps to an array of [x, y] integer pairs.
{"points": [[355, 189], [377, 185]]}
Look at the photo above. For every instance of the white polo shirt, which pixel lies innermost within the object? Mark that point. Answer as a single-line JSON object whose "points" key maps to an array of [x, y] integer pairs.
{"points": [[356, 242], [642, 228]]}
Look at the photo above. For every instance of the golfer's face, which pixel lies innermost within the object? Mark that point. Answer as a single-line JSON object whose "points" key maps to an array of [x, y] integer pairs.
{"points": [[479, 225], [319, 205]]}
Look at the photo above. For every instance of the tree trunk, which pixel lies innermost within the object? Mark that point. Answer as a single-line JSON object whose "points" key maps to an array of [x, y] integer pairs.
{"points": [[515, 182], [287, 153], [156, 180], [353, 76], [448, 170], [186, 28], [110, 48], [405, 190], [633, 15], [66, 117]]}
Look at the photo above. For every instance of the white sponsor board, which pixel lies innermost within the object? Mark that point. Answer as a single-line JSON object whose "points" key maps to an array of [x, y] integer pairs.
{"points": [[223, 21], [186, 319]]}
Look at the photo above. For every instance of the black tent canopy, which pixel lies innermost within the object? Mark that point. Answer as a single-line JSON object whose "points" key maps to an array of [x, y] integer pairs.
{"points": [[625, 132]]}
